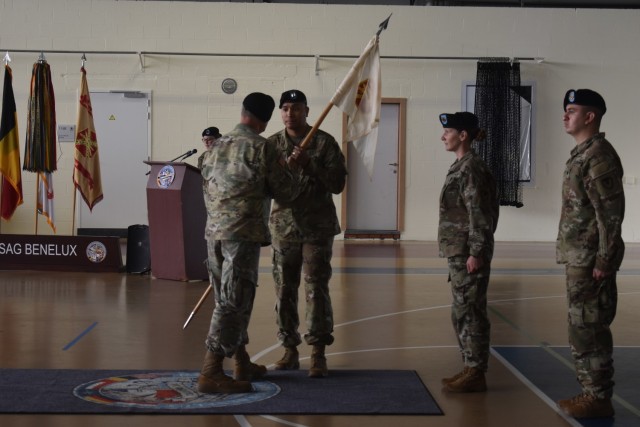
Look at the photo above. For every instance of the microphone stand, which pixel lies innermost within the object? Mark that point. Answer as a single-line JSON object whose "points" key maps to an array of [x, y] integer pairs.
{"points": [[188, 153]]}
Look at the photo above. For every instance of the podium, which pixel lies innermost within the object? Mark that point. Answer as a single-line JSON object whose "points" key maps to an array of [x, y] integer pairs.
{"points": [[177, 220]]}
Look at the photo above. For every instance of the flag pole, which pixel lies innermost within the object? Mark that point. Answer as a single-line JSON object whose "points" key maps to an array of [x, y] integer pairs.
{"points": [[316, 125], [197, 307], [1, 185], [73, 212], [37, 187], [83, 60], [383, 26], [6, 61]]}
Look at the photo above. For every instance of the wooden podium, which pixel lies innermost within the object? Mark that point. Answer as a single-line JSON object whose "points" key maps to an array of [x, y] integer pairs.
{"points": [[177, 219]]}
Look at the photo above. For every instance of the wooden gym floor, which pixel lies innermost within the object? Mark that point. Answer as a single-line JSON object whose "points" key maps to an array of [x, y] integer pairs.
{"points": [[391, 305]]}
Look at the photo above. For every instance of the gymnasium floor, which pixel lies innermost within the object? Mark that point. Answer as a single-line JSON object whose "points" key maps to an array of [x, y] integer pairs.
{"points": [[391, 306]]}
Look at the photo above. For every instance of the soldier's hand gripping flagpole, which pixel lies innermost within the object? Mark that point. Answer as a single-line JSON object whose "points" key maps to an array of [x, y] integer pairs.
{"points": [[345, 87]]}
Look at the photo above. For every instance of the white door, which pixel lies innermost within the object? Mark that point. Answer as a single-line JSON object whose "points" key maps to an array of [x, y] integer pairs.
{"points": [[122, 122], [372, 204]]}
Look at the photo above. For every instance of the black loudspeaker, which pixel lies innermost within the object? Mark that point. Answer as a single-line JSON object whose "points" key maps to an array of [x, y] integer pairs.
{"points": [[138, 252]]}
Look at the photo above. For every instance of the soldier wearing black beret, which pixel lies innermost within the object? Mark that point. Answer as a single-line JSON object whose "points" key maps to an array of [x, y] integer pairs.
{"points": [[590, 245], [468, 218], [209, 135], [260, 106], [460, 121], [303, 232], [242, 173], [585, 97], [293, 96]]}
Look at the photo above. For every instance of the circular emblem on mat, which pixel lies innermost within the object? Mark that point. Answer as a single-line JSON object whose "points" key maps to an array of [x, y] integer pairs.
{"points": [[166, 390], [166, 176], [96, 252]]}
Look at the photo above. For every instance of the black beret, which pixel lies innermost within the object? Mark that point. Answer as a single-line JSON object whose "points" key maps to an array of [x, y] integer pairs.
{"points": [[459, 121], [212, 131], [293, 95], [260, 105], [585, 97]]}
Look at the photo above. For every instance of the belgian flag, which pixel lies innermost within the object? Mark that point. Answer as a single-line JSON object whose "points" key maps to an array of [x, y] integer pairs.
{"points": [[9, 150]]}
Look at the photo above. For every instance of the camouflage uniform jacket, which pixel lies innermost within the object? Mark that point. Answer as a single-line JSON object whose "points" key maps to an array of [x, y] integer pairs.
{"points": [[593, 202], [469, 209], [201, 159], [311, 216], [242, 172]]}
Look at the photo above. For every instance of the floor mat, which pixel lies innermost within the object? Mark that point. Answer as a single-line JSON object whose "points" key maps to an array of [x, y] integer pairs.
{"points": [[343, 392]]}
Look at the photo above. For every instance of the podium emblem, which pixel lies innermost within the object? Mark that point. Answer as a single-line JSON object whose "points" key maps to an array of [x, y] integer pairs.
{"points": [[96, 252], [165, 176]]}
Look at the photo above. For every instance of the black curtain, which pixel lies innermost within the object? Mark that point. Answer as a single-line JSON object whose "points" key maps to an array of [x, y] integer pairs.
{"points": [[497, 106]]}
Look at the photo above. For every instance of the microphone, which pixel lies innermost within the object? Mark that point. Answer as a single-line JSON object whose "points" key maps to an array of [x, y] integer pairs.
{"points": [[181, 156], [185, 155], [189, 153]]}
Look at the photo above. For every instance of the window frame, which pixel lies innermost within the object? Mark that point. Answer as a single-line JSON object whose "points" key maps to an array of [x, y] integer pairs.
{"points": [[527, 156]]}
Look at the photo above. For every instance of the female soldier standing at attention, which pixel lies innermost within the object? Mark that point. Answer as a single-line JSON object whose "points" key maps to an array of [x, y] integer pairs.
{"points": [[469, 210]]}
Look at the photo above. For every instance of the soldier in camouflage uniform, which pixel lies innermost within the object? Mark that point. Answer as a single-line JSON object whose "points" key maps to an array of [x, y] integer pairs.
{"points": [[242, 172], [469, 211], [209, 135], [590, 245], [303, 231]]}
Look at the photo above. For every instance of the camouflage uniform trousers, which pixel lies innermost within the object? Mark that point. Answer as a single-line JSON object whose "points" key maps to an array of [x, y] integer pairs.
{"points": [[214, 265], [592, 308], [469, 311], [314, 260], [233, 266]]}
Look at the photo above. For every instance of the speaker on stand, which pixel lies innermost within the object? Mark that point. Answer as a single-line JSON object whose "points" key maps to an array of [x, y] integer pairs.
{"points": [[138, 252]]}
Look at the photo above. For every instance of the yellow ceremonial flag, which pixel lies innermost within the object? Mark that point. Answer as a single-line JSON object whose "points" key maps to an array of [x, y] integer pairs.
{"points": [[359, 96], [9, 151], [86, 172]]}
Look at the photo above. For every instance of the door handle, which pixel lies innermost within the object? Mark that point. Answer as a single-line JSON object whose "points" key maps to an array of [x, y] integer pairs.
{"points": [[393, 164]]}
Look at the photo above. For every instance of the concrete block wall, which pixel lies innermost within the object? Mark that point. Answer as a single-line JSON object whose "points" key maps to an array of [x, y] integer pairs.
{"points": [[594, 48]]}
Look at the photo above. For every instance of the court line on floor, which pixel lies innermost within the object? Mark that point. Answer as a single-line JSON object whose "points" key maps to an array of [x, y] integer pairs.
{"points": [[281, 421], [398, 313], [567, 363], [79, 337], [436, 307], [443, 271], [244, 422], [628, 406], [546, 399], [570, 420]]}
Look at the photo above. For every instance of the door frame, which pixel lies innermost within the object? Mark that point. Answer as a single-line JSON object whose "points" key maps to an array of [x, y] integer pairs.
{"points": [[400, 202], [119, 231]]}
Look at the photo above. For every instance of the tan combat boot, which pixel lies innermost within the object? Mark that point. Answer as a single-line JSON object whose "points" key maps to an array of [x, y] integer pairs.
{"points": [[318, 367], [244, 369], [471, 381], [449, 380], [289, 361], [213, 380], [587, 406]]}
